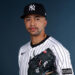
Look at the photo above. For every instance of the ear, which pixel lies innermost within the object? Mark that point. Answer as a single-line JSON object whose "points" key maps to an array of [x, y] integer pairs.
{"points": [[45, 23]]}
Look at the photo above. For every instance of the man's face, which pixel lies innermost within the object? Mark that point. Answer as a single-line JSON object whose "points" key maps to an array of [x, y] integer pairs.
{"points": [[35, 24]]}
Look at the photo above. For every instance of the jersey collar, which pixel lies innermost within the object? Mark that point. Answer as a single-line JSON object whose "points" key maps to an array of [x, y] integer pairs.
{"points": [[39, 42]]}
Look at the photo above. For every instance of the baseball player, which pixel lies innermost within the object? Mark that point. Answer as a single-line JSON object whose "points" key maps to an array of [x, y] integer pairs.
{"points": [[43, 54]]}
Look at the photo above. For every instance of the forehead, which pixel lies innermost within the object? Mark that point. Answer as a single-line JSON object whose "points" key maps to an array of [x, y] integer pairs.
{"points": [[34, 15]]}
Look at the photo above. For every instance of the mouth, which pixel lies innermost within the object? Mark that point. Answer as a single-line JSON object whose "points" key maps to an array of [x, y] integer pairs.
{"points": [[32, 29]]}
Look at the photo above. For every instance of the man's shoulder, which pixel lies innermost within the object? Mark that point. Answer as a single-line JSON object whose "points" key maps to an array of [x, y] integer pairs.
{"points": [[54, 41], [24, 47], [58, 45]]}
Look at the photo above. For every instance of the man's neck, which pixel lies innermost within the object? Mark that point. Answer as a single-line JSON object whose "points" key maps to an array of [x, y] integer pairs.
{"points": [[37, 39]]}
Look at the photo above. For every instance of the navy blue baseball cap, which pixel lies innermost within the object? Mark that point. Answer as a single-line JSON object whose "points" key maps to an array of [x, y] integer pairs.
{"points": [[34, 8]]}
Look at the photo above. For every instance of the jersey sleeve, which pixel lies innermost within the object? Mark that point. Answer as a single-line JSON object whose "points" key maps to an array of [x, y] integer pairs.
{"points": [[19, 56], [67, 66], [20, 61], [63, 60]]}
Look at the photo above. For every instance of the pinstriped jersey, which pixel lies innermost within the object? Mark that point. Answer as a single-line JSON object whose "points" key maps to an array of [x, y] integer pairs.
{"points": [[29, 51]]}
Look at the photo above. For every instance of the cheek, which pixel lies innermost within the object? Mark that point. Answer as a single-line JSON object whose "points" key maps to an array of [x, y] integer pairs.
{"points": [[27, 25], [40, 25]]}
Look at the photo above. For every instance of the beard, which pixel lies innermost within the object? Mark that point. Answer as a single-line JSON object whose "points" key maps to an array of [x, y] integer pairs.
{"points": [[36, 32]]}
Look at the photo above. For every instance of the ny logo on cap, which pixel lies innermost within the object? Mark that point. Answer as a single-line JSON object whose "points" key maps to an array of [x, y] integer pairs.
{"points": [[32, 7]]}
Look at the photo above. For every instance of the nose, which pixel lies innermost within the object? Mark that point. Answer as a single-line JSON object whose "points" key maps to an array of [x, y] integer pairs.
{"points": [[32, 22]]}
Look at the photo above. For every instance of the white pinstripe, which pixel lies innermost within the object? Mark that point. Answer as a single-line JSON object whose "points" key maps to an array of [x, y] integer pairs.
{"points": [[62, 55]]}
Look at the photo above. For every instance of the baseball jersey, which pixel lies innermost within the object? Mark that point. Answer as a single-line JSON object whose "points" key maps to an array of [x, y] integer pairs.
{"points": [[29, 51]]}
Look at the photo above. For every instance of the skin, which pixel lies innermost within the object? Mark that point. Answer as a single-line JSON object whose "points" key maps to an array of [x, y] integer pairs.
{"points": [[35, 25]]}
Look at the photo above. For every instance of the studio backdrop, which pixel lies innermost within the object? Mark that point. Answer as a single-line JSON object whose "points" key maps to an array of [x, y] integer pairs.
{"points": [[61, 25]]}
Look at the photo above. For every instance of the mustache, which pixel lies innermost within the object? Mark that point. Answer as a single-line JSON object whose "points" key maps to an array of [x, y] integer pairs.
{"points": [[32, 27]]}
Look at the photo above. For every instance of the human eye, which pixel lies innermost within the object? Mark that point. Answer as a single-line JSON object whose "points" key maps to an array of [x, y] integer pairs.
{"points": [[37, 18], [28, 19]]}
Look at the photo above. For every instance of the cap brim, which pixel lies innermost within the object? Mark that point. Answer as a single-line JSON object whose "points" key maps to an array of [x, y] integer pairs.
{"points": [[24, 15]]}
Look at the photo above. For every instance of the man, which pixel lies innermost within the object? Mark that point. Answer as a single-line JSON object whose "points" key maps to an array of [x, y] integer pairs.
{"points": [[43, 55]]}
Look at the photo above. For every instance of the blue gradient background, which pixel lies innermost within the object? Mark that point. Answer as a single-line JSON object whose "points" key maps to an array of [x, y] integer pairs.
{"points": [[61, 25]]}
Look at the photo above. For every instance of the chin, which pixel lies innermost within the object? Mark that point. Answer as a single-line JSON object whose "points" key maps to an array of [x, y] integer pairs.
{"points": [[34, 34]]}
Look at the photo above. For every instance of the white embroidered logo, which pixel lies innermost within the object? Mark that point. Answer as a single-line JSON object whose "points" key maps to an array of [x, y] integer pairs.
{"points": [[32, 7], [37, 70]]}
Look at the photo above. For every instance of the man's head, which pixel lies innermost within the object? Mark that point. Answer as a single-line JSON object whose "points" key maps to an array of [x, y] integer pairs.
{"points": [[34, 18]]}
